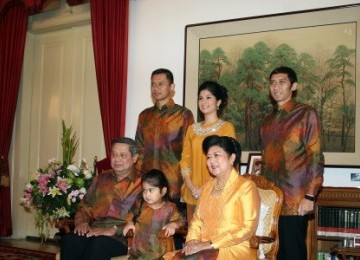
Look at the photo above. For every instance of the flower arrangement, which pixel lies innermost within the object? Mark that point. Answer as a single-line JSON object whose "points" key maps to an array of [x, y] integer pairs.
{"points": [[54, 192]]}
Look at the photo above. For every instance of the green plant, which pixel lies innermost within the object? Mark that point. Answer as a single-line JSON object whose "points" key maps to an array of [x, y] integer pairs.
{"points": [[54, 192], [69, 144]]}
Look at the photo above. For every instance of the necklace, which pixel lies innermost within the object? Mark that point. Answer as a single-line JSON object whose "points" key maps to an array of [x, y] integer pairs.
{"points": [[217, 187], [207, 130]]}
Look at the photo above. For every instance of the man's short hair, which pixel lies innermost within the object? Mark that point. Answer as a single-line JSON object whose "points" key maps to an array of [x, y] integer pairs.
{"points": [[126, 140], [285, 70], [167, 72]]}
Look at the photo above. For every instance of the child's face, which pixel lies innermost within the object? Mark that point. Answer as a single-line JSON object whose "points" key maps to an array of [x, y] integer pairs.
{"points": [[152, 195]]}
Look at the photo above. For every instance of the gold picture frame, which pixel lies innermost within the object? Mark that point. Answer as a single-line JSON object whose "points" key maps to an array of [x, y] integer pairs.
{"points": [[254, 163], [284, 24]]}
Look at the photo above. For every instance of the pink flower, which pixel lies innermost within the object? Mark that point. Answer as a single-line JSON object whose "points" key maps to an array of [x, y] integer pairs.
{"points": [[72, 196], [27, 196], [61, 184], [43, 189], [44, 179]]}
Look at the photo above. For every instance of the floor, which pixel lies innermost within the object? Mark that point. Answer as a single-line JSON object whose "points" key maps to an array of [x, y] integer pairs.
{"points": [[22, 249]]}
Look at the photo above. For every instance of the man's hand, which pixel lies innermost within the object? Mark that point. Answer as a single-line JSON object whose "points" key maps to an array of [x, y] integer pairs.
{"points": [[128, 226], [81, 229], [305, 207], [99, 231]]}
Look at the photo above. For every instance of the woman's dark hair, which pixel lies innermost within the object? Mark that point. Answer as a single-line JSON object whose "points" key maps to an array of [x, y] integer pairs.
{"points": [[229, 144], [157, 179], [219, 91]]}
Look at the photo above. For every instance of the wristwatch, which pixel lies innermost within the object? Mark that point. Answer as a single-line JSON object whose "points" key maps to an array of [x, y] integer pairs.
{"points": [[310, 197]]}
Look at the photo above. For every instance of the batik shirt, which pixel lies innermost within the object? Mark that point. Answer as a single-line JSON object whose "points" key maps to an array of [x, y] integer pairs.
{"points": [[148, 222], [159, 137], [107, 202], [292, 152]]}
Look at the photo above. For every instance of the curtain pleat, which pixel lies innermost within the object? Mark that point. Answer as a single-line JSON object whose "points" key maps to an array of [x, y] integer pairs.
{"points": [[109, 21], [13, 23]]}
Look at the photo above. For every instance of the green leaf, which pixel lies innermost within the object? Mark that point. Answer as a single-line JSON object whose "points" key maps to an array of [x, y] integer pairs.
{"points": [[69, 144]]}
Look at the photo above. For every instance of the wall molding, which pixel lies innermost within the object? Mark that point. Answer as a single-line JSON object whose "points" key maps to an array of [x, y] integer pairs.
{"points": [[64, 18]]}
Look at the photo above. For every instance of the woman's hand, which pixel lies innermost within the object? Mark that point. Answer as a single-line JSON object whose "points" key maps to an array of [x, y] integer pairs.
{"points": [[195, 192], [193, 189], [195, 246]]}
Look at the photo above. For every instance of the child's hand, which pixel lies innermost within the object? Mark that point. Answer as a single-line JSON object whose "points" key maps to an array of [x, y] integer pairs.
{"points": [[128, 226], [170, 229]]}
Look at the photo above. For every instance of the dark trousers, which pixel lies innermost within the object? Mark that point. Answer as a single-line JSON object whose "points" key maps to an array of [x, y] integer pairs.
{"points": [[292, 238], [179, 239], [74, 247]]}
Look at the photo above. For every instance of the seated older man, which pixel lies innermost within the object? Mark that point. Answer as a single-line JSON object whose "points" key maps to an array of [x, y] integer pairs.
{"points": [[100, 217]]}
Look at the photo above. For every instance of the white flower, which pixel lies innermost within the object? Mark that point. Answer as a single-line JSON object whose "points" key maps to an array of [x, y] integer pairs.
{"points": [[52, 160], [25, 203], [74, 169], [53, 191], [62, 212], [83, 164], [34, 175], [87, 174]]}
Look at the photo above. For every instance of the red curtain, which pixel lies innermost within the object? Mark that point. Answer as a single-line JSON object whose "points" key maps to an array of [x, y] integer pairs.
{"points": [[109, 21], [13, 23]]}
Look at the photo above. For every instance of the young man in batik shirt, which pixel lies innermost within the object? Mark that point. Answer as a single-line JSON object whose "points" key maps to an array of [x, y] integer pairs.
{"points": [[292, 159], [160, 132]]}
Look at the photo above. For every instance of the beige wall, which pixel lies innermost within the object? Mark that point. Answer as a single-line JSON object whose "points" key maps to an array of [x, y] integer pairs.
{"points": [[157, 40]]}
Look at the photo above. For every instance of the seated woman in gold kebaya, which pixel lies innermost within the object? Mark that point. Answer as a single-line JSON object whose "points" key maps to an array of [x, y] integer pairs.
{"points": [[227, 213]]}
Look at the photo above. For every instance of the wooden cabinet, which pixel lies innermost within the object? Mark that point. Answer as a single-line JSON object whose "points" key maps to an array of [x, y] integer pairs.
{"points": [[331, 197]]}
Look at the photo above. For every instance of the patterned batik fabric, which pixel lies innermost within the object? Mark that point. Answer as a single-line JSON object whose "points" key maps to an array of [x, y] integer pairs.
{"points": [[292, 152], [159, 137], [148, 222], [107, 202]]}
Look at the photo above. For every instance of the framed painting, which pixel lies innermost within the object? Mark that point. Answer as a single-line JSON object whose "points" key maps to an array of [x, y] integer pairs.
{"points": [[254, 163], [322, 46]]}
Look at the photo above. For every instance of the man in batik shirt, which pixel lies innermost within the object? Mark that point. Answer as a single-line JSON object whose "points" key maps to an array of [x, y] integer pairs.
{"points": [[160, 132], [292, 159], [100, 218]]}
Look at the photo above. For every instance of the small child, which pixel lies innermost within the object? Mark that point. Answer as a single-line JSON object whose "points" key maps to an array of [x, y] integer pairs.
{"points": [[151, 214]]}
